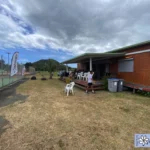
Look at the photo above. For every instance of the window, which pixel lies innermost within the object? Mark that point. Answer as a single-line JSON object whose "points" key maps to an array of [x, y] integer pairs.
{"points": [[126, 65]]}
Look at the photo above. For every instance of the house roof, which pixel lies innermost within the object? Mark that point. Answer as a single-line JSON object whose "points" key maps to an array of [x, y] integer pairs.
{"points": [[130, 46], [110, 54], [94, 56]]}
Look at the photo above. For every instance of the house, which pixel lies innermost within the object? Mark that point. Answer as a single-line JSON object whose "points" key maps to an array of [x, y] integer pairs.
{"points": [[131, 63]]}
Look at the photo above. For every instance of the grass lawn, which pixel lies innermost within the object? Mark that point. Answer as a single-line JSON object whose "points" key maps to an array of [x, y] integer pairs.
{"points": [[49, 120], [47, 74]]}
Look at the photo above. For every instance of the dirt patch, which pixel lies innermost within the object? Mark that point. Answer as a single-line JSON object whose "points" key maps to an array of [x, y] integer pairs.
{"points": [[9, 96]]}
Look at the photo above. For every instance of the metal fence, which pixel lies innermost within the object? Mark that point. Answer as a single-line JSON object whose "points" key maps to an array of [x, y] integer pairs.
{"points": [[6, 79], [5, 67]]}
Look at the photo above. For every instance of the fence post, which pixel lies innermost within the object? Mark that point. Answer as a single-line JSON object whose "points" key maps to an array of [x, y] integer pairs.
{"points": [[2, 82]]}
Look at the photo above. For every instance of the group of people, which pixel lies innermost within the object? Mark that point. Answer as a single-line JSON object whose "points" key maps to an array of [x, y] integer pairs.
{"points": [[89, 80], [73, 75]]}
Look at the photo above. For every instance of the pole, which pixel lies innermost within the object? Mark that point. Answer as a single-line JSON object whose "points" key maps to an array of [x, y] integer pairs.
{"points": [[8, 66], [90, 64], [2, 68], [66, 68], [2, 63], [8, 62]]}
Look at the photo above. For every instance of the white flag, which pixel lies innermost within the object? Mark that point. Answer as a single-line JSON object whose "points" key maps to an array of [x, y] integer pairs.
{"points": [[14, 66]]}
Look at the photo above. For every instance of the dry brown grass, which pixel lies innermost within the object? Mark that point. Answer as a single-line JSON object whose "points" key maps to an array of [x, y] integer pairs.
{"points": [[50, 120]]}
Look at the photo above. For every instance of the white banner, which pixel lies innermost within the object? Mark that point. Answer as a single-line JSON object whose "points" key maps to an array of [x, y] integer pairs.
{"points": [[14, 66]]}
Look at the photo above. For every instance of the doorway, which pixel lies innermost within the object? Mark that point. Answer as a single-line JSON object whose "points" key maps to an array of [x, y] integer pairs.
{"points": [[100, 70]]}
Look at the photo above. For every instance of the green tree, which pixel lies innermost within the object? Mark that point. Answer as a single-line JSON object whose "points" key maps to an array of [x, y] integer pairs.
{"points": [[43, 65], [27, 65], [51, 67]]}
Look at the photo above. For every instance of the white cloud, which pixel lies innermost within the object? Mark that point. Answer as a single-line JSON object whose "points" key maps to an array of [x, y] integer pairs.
{"points": [[73, 26]]}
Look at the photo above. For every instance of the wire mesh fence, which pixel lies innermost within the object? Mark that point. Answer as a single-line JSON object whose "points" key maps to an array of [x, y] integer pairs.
{"points": [[6, 79]]}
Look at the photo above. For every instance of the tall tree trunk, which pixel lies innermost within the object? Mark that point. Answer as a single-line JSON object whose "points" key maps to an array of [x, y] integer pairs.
{"points": [[51, 76]]}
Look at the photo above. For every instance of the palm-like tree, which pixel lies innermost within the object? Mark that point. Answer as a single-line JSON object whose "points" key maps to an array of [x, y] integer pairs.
{"points": [[51, 68]]}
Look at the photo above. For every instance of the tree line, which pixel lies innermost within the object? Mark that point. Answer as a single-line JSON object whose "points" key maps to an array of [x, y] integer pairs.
{"points": [[5, 67], [49, 65]]}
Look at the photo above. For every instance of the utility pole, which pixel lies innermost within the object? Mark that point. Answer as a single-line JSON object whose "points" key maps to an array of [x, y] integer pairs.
{"points": [[8, 67], [2, 62], [2, 68], [8, 62]]}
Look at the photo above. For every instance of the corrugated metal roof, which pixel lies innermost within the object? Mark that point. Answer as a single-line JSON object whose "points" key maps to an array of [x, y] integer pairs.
{"points": [[113, 53], [86, 56], [128, 47]]}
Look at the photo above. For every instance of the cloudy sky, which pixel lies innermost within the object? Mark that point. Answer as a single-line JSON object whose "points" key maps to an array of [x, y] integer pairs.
{"points": [[62, 29]]}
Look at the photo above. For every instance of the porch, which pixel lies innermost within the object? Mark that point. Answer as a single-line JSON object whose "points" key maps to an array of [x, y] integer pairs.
{"points": [[100, 63], [97, 85], [137, 87]]}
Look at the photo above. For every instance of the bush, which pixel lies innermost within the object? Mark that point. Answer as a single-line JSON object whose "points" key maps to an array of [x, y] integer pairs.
{"points": [[144, 93], [105, 82], [33, 78], [67, 80]]}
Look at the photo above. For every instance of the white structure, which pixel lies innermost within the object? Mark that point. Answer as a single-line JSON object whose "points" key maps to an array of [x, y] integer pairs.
{"points": [[69, 88]]}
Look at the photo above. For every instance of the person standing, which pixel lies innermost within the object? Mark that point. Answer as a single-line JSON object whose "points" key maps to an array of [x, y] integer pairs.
{"points": [[89, 80]]}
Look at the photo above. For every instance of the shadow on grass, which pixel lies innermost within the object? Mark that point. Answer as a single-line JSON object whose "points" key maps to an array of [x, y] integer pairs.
{"points": [[8, 95]]}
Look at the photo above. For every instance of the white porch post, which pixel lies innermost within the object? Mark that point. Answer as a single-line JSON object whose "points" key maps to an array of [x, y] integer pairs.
{"points": [[66, 68], [90, 64]]}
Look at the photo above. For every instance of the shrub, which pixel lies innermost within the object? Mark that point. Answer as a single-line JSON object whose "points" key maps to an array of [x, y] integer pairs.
{"points": [[144, 93], [105, 82], [33, 78], [68, 80]]}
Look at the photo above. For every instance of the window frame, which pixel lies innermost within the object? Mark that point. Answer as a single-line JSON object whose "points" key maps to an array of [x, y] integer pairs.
{"points": [[125, 68]]}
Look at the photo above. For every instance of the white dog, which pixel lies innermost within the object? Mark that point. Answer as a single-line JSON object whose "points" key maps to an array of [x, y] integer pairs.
{"points": [[69, 88]]}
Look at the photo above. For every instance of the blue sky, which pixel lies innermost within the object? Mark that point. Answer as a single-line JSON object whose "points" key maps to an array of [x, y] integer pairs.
{"points": [[46, 29], [33, 55]]}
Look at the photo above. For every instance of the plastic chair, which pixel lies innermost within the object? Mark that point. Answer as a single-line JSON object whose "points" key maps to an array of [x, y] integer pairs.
{"points": [[79, 75], [85, 76], [69, 88]]}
